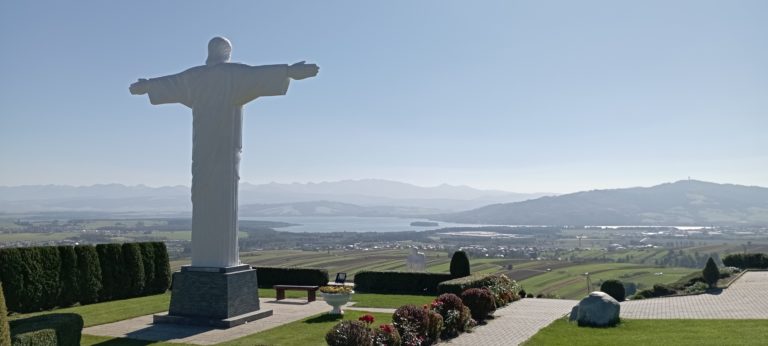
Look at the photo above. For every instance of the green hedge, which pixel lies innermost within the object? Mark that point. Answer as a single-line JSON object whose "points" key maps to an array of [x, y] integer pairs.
{"points": [[747, 261], [5, 330], [88, 274], [41, 278], [66, 330], [270, 276], [457, 286], [399, 282]]}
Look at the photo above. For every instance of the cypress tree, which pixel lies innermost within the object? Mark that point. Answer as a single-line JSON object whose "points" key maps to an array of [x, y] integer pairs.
{"points": [[68, 293], [459, 264], [32, 293], [5, 329], [48, 277], [711, 273], [112, 278], [88, 274], [148, 259], [12, 274], [133, 267], [162, 268]]}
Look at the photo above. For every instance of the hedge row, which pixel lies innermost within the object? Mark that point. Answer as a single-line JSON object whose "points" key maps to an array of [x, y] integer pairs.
{"points": [[747, 261], [40, 278], [457, 286], [270, 276], [399, 282], [51, 329]]}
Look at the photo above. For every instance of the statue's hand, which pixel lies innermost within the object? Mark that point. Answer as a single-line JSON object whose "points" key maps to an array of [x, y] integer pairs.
{"points": [[140, 87], [301, 70]]}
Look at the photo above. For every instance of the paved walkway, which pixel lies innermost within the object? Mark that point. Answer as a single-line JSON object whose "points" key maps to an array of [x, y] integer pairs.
{"points": [[516, 323], [745, 299], [141, 328]]}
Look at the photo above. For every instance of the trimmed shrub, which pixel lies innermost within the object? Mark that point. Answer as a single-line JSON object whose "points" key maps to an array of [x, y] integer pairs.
{"points": [[522, 293], [31, 278], [746, 261], [148, 263], [66, 327], [133, 269], [399, 282], [710, 273], [5, 329], [529, 295], [270, 276], [459, 264], [660, 290], [88, 274], [479, 301], [411, 322], [614, 288], [350, 333], [386, 335], [162, 273], [113, 280], [457, 286], [697, 288], [68, 294]]}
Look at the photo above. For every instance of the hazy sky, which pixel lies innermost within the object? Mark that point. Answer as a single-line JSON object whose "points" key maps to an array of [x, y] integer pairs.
{"points": [[518, 95]]}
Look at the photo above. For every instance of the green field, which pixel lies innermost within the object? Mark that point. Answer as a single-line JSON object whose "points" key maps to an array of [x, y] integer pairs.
{"points": [[570, 282]]}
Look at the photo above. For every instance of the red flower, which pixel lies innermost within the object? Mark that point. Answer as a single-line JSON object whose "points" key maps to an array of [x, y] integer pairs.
{"points": [[386, 328], [366, 318]]}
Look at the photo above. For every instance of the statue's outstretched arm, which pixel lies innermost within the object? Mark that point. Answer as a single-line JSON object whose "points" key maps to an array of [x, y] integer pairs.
{"points": [[301, 70], [141, 87]]}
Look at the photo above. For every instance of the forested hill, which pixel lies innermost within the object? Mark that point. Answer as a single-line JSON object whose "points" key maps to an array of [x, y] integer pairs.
{"points": [[686, 202]]}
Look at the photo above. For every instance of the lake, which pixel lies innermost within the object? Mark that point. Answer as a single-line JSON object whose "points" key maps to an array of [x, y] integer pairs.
{"points": [[327, 224]]}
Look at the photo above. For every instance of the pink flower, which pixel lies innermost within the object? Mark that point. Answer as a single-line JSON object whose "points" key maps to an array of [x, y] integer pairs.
{"points": [[386, 328]]}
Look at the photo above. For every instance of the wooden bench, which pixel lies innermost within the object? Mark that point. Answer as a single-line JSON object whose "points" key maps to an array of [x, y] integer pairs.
{"points": [[311, 291]]}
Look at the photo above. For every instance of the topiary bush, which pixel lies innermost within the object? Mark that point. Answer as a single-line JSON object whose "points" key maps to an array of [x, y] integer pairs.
{"points": [[522, 293], [710, 273], [148, 264], [133, 268], [69, 289], [412, 323], [48, 276], [12, 273], [88, 274], [67, 329], [614, 288], [386, 335], [480, 302], [350, 333], [459, 264], [5, 330]]}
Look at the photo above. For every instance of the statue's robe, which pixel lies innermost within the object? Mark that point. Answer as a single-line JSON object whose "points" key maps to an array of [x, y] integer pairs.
{"points": [[216, 95]]}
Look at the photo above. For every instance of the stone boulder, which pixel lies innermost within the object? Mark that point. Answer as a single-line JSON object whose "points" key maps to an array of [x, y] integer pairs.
{"points": [[596, 310]]}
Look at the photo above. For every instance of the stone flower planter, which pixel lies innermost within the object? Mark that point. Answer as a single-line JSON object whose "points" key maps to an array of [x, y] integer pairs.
{"points": [[336, 300]]}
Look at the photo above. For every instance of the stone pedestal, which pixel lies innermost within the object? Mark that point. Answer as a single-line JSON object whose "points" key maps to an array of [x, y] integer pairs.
{"points": [[217, 297]]}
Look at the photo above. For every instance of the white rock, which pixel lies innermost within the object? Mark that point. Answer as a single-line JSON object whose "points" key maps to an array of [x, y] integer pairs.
{"points": [[598, 310]]}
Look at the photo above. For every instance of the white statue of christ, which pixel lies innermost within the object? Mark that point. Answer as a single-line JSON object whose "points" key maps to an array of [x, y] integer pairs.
{"points": [[216, 92]]}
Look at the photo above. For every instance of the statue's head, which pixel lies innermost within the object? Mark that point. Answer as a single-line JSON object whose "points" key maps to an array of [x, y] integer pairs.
{"points": [[219, 50]]}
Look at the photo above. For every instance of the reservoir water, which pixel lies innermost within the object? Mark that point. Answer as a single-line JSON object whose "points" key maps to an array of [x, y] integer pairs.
{"points": [[327, 224]]}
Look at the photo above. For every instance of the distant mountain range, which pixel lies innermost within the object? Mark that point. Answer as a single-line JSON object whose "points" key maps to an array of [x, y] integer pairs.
{"points": [[349, 198], [687, 202]]}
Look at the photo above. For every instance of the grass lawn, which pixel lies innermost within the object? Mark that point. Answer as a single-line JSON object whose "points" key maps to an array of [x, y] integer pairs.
{"points": [[656, 332], [394, 301], [118, 310], [309, 331]]}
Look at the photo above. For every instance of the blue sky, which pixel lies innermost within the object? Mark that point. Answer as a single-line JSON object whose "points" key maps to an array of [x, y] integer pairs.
{"points": [[519, 95]]}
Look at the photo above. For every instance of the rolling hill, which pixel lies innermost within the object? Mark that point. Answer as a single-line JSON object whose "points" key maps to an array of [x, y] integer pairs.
{"points": [[687, 202]]}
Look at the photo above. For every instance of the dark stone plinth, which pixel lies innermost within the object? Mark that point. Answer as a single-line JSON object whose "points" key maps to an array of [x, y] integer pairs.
{"points": [[219, 297]]}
